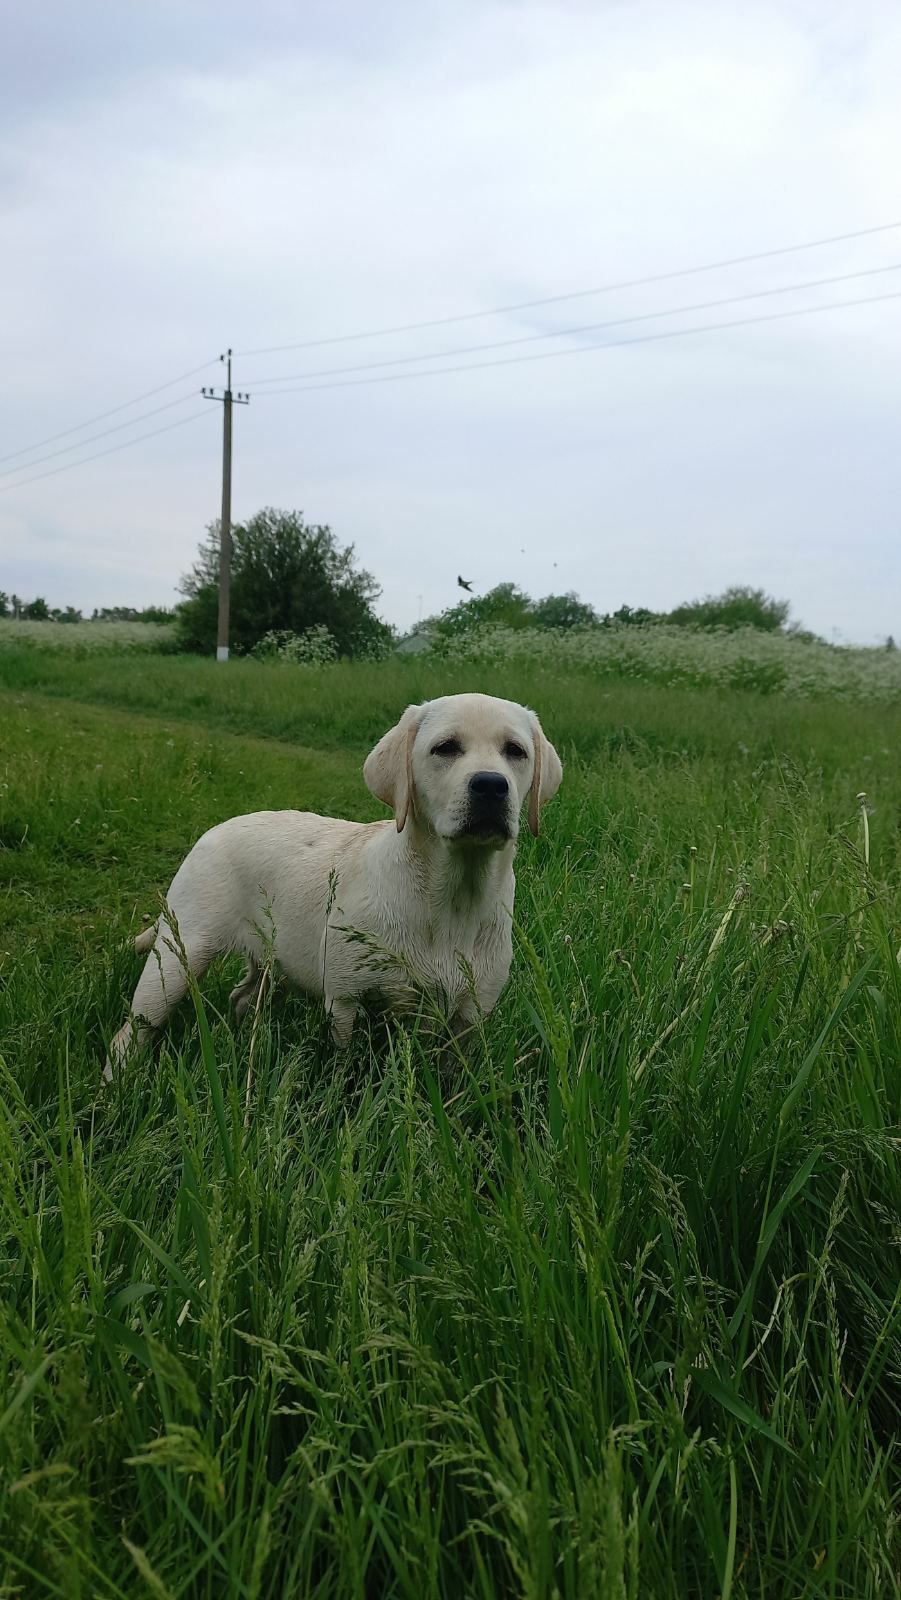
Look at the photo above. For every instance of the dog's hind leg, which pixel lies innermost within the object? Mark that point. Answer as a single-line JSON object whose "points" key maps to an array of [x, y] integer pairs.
{"points": [[169, 967]]}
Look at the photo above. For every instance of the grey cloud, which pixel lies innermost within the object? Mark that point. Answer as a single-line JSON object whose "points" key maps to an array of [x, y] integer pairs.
{"points": [[187, 176]]}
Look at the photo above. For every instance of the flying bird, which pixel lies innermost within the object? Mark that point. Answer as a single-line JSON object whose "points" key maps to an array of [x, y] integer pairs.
{"points": [[464, 583]]}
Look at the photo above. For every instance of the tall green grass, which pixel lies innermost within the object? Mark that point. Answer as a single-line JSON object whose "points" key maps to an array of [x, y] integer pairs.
{"points": [[350, 704], [609, 1306]]}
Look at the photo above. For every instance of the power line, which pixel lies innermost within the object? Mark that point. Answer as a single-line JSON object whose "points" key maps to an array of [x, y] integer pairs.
{"points": [[7, 488], [477, 366], [585, 349], [102, 415], [93, 437], [577, 294], [435, 322], [590, 327]]}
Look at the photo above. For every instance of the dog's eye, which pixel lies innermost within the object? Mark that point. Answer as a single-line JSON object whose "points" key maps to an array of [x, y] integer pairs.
{"points": [[448, 747], [514, 751]]}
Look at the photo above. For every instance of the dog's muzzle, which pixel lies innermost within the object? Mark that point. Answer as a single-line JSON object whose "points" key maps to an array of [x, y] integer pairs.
{"points": [[489, 807]]}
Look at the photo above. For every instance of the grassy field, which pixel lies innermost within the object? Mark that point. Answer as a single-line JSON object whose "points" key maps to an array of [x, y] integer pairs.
{"points": [[610, 1307]]}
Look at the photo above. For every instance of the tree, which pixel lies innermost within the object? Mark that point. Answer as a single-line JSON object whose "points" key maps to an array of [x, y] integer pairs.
{"points": [[133, 614], [563, 611], [633, 616], [505, 605], [285, 575], [36, 610], [5, 607], [738, 607]]}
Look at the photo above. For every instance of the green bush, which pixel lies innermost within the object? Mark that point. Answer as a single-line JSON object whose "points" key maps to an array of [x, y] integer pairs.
{"points": [[286, 576], [738, 607]]}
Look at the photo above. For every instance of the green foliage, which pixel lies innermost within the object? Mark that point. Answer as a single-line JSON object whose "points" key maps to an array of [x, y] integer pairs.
{"points": [[606, 1306], [562, 611], [286, 575], [630, 616], [506, 606], [738, 607], [133, 614], [39, 611]]}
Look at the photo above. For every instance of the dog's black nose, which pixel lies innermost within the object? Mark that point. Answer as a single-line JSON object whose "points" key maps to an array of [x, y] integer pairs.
{"points": [[486, 787]]}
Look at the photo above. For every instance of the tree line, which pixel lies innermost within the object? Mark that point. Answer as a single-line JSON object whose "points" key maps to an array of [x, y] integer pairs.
{"points": [[38, 610], [508, 606], [293, 581]]}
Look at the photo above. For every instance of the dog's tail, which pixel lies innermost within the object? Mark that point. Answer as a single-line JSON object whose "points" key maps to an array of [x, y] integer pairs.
{"points": [[145, 939]]}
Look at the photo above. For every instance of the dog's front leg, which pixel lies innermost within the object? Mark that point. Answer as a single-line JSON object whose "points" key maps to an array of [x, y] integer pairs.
{"points": [[463, 1032], [132, 1037], [467, 1014]]}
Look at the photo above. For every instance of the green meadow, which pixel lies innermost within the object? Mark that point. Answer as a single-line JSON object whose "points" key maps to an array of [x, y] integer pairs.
{"points": [[607, 1304]]}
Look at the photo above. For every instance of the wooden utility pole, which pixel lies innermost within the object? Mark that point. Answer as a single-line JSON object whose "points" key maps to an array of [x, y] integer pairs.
{"points": [[227, 400]]}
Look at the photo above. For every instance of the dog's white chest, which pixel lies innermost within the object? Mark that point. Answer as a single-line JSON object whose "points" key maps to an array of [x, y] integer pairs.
{"points": [[462, 958], [454, 958]]}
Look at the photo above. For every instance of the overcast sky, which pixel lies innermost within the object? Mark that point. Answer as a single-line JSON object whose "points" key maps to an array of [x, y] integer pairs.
{"points": [[179, 177]]}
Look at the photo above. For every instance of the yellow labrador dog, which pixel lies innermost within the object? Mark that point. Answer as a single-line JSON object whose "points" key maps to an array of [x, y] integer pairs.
{"points": [[346, 908]]}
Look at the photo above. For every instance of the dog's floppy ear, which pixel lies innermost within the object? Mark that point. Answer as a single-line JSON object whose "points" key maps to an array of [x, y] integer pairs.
{"points": [[388, 769], [546, 776]]}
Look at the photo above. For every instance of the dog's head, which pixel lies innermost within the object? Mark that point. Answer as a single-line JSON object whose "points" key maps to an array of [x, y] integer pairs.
{"points": [[463, 765]]}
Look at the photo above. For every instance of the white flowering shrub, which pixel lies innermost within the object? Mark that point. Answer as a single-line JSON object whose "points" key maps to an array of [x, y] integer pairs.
{"points": [[89, 638], [746, 658], [315, 647], [374, 647]]}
